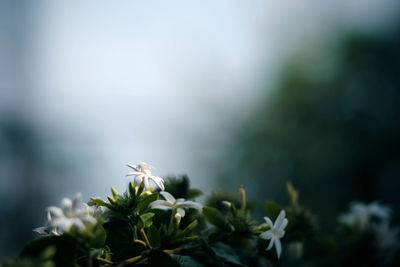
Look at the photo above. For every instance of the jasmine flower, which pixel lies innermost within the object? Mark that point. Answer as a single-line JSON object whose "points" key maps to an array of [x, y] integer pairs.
{"points": [[176, 204], [142, 173], [276, 232], [47, 229], [362, 214], [71, 214]]}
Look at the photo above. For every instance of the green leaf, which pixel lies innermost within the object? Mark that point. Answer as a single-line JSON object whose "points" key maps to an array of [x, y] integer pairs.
{"points": [[120, 238], [190, 227], [147, 219], [232, 256], [214, 216], [145, 201], [187, 261], [65, 249]]}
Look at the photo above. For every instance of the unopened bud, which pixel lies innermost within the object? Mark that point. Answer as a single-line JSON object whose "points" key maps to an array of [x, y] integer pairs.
{"points": [[227, 204], [177, 219], [242, 197], [114, 192], [132, 190], [112, 201], [293, 194]]}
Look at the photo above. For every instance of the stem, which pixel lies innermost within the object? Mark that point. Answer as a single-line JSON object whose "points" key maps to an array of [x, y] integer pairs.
{"points": [[145, 238], [104, 260], [130, 260], [171, 220]]}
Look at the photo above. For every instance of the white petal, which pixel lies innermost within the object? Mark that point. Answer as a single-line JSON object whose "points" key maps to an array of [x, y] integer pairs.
{"points": [[77, 201], [139, 179], [189, 204], [269, 222], [160, 204], [278, 247], [41, 230], [55, 211], [134, 173], [271, 243], [132, 166], [279, 220], [88, 219], [49, 215], [62, 223], [283, 225], [159, 182], [267, 235], [78, 223], [280, 233], [181, 212], [66, 203], [146, 182], [168, 197]]}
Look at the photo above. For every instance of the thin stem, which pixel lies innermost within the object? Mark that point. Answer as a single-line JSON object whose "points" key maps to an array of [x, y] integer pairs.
{"points": [[145, 238], [171, 220]]}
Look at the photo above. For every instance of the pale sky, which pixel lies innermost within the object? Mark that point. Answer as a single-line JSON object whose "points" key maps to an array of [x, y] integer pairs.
{"points": [[165, 82]]}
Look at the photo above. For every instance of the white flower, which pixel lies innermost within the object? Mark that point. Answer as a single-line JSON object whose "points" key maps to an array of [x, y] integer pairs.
{"points": [[71, 214], [361, 214], [276, 232], [47, 229], [171, 203], [142, 173]]}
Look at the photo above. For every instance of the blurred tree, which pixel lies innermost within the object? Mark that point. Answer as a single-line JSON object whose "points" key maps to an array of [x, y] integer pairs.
{"points": [[331, 126], [22, 191]]}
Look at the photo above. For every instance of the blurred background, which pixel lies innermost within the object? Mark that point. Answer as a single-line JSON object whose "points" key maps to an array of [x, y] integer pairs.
{"points": [[227, 92]]}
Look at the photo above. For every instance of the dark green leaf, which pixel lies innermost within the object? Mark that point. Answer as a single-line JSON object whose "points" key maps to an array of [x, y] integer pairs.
{"points": [[65, 248], [213, 216]]}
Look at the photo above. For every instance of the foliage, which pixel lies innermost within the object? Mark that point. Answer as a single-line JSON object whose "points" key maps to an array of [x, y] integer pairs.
{"points": [[127, 231]]}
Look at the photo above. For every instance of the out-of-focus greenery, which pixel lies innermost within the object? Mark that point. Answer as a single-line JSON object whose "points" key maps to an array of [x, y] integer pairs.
{"points": [[331, 126], [22, 191]]}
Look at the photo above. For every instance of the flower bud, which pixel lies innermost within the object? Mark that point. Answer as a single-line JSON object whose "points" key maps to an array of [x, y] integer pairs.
{"points": [[227, 204], [177, 219], [114, 192], [242, 197]]}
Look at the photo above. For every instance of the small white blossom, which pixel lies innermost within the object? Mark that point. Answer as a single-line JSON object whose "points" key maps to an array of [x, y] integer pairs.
{"points": [[276, 232], [361, 214], [47, 229], [171, 203], [71, 214], [142, 173]]}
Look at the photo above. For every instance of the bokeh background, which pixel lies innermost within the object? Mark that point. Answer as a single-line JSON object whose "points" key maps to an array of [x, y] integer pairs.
{"points": [[228, 92]]}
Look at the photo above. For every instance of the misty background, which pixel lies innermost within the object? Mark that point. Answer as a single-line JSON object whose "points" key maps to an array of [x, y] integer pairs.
{"points": [[229, 93]]}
